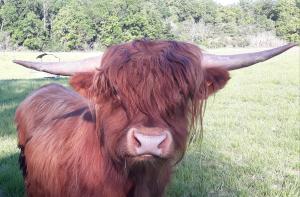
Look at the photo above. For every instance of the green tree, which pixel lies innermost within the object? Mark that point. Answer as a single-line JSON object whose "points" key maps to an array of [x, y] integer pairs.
{"points": [[82, 24], [8, 16], [287, 17], [204, 10], [118, 21], [73, 28], [29, 32]]}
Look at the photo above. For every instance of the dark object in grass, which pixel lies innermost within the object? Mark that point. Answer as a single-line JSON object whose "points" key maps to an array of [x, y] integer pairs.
{"points": [[44, 54]]}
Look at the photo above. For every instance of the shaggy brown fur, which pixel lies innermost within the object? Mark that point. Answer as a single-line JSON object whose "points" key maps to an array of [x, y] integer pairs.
{"points": [[75, 144]]}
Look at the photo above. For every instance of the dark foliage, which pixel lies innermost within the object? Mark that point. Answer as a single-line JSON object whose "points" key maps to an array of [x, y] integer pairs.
{"points": [[85, 25]]}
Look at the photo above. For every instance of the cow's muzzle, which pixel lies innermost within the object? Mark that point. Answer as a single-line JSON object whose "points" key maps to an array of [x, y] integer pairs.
{"points": [[145, 142]]}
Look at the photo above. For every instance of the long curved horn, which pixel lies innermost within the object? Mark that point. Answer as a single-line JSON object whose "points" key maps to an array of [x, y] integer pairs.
{"points": [[232, 62], [63, 68]]}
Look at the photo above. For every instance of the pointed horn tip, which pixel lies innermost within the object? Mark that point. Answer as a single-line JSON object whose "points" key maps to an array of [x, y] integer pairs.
{"points": [[286, 47], [20, 62], [27, 64], [290, 45]]}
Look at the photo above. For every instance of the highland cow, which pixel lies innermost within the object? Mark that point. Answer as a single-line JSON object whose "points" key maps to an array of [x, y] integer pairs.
{"points": [[126, 124]]}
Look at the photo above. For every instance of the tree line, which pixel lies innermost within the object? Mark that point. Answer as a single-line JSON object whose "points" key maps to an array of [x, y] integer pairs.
{"points": [[64, 25]]}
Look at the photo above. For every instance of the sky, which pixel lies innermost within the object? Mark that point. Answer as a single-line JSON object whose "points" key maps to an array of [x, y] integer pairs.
{"points": [[226, 2]]}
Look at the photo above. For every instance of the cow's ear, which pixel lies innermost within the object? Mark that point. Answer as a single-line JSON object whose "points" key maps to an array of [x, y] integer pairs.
{"points": [[216, 79], [81, 82]]}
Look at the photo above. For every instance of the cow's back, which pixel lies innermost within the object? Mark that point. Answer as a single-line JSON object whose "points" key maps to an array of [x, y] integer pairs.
{"points": [[43, 106], [56, 133]]}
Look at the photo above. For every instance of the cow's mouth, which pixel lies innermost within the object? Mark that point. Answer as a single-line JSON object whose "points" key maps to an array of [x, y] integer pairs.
{"points": [[146, 157]]}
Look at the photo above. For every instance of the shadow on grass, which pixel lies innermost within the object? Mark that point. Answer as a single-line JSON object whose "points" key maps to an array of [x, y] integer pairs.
{"points": [[207, 173], [12, 92], [11, 180], [195, 176]]}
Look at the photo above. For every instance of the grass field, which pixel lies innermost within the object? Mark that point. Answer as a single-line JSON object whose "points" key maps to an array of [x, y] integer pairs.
{"points": [[251, 143]]}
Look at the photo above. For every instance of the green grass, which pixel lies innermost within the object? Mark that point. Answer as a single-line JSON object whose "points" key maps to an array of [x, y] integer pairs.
{"points": [[251, 139]]}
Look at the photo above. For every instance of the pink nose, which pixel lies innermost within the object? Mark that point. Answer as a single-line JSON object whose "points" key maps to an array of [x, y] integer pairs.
{"points": [[152, 142]]}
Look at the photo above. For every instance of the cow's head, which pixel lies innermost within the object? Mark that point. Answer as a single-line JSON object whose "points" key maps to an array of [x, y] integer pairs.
{"points": [[147, 93]]}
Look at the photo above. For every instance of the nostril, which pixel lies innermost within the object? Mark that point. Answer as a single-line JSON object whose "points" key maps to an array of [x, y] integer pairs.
{"points": [[136, 141], [163, 142], [133, 140]]}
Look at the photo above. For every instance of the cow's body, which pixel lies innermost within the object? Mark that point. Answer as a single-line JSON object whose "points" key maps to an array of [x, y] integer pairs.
{"points": [[40, 127], [56, 132], [127, 123]]}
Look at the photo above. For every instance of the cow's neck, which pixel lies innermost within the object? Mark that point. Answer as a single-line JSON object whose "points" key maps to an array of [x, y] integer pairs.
{"points": [[149, 179]]}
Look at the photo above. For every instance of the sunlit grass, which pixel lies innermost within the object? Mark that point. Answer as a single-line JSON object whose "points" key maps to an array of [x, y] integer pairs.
{"points": [[9, 70], [251, 131]]}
